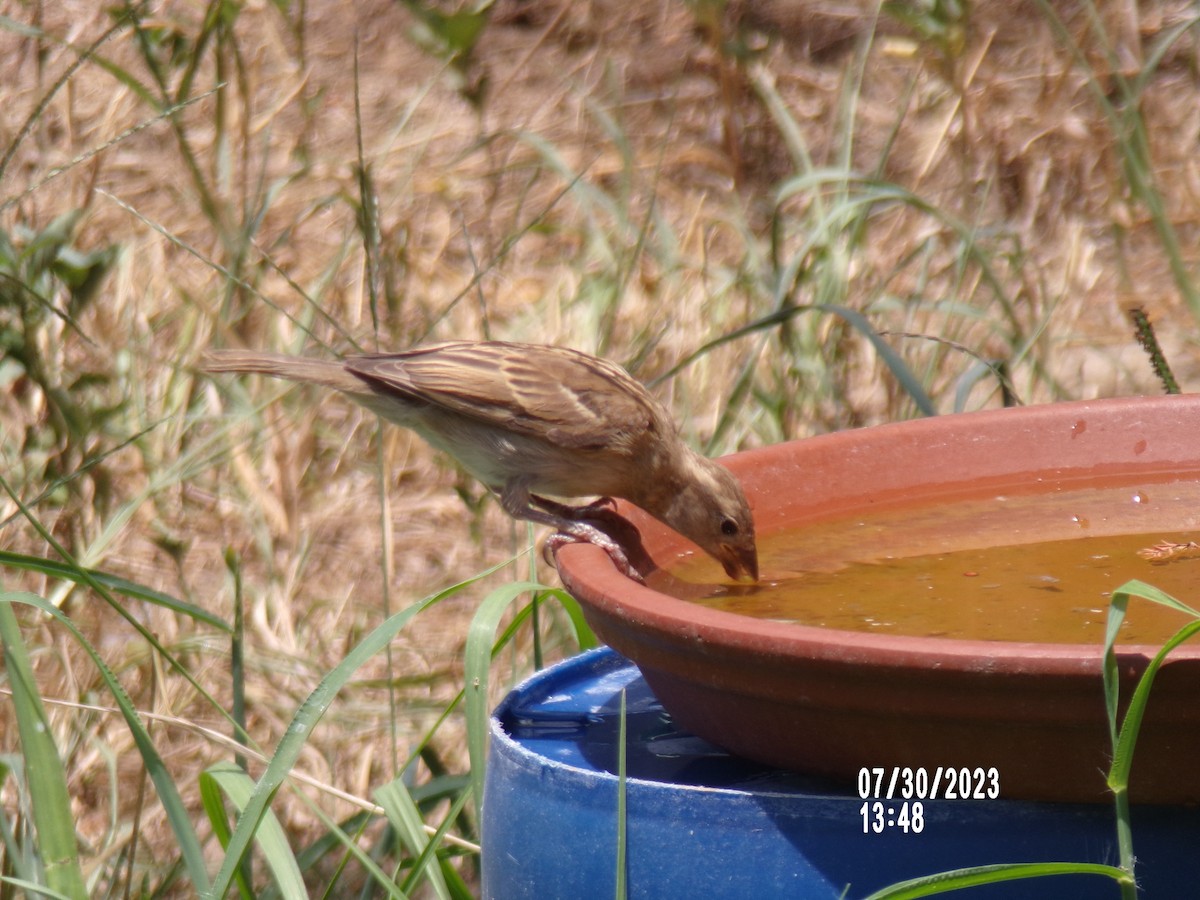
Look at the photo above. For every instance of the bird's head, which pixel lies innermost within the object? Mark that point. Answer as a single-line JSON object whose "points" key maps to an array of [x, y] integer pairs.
{"points": [[709, 508]]}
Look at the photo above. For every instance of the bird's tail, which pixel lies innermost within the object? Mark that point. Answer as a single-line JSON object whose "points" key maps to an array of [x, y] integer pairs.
{"points": [[294, 368]]}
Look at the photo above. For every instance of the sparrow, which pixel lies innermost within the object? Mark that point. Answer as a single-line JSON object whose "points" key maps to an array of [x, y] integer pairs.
{"points": [[535, 421]]}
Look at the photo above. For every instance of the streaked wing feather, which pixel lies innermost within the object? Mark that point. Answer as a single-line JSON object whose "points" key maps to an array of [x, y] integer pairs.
{"points": [[569, 398]]}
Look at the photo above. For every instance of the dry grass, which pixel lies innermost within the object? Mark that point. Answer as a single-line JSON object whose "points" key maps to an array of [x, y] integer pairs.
{"points": [[615, 192]]}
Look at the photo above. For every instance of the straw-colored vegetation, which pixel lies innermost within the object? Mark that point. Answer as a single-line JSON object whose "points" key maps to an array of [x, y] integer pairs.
{"points": [[929, 207]]}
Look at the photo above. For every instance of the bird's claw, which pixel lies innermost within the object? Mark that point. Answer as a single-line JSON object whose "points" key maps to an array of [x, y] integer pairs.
{"points": [[593, 536]]}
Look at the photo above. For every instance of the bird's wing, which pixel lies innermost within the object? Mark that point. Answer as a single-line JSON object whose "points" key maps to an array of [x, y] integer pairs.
{"points": [[560, 395]]}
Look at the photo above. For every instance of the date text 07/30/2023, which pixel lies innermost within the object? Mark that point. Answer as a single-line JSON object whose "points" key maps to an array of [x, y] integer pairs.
{"points": [[909, 786]]}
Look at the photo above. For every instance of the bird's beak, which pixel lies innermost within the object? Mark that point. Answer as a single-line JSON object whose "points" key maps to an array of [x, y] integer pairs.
{"points": [[740, 564]]}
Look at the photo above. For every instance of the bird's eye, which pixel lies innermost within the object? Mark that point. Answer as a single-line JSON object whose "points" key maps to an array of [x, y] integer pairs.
{"points": [[729, 527]]}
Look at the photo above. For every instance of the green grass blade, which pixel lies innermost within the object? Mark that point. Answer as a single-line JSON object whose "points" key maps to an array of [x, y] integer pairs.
{"points": [[116, 584], [18, 855], [44, 769], [977, 876], [303, 722], [85, 575], [32, 889], [621, 890], [226, 779], [1123, 748], [177, 814], [1117, 606], [855, 319], [482, 645], [477, 664], [406, 819], [337, 834], [461, 794], [582, 631], [1124, 735], [1135, 588], [214, 807], [897, 366]]}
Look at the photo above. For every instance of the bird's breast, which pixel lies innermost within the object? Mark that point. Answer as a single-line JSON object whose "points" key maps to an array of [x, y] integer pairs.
{"points": [[495, 456]]}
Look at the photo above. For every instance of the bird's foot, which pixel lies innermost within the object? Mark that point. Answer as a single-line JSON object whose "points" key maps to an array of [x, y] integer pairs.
{"points": [[596, 523], [582, 533]]}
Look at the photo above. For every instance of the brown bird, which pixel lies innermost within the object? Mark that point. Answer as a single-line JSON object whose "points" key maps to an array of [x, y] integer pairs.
{"points": [[530, 420]]}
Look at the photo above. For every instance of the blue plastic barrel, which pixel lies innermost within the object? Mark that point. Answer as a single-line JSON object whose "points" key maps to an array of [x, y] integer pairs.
{"points": [[700, 822]]}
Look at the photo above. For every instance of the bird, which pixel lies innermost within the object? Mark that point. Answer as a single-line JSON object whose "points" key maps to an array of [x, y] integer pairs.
{"points": [[538, 421]]}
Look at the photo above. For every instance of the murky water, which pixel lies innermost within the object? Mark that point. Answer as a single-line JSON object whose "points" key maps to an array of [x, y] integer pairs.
{"points": [[1007, 567]]}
